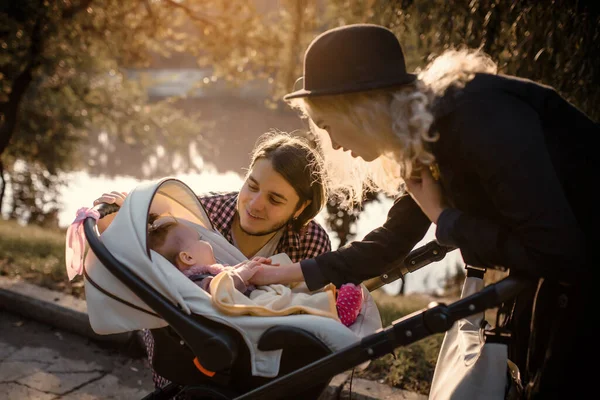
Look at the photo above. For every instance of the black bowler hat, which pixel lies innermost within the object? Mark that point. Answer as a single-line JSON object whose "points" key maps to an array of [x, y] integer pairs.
{"points": [[352, 58]]}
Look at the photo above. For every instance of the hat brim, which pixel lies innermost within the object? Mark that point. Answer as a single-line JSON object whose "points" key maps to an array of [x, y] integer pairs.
{"points": [[358, 87]]}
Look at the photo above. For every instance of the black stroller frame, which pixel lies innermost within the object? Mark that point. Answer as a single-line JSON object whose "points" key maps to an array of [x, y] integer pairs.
{"points": [[213, 359]]}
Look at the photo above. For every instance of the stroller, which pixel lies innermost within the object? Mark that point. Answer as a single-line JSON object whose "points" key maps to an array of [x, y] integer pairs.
{"points": [[210, 355]]}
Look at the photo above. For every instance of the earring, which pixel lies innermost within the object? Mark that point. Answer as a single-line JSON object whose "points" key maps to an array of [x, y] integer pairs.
{"points": [[435, 171]]}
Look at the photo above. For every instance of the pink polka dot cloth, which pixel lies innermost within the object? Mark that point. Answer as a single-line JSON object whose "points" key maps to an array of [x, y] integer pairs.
{"points": [[349, 302]]}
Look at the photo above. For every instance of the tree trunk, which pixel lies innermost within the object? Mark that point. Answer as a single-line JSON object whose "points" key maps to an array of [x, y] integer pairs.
{"points": [[3, 190], [10, 109], [290, 70]]}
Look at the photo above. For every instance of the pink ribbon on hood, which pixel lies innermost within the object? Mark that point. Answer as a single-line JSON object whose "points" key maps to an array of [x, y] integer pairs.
{"points": [[75, 241]]}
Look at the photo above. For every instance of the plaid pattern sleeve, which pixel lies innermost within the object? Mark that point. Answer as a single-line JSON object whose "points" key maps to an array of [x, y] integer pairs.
{"points": [[221, 208]]}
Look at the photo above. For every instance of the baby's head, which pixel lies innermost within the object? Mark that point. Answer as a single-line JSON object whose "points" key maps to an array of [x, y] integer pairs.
{"points": [[179, 243]]}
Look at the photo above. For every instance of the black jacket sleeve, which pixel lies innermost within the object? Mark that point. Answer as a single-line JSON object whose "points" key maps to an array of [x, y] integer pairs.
{"points": [[531, 228], [378, 252]]}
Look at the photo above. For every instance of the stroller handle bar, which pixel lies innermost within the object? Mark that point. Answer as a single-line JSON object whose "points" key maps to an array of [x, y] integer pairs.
{"points": [[416, 259], [436, 318], [105, 209]]}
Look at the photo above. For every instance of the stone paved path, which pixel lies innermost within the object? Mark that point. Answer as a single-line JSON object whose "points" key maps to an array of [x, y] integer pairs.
{"points": [[48, 351], [39, 362]]}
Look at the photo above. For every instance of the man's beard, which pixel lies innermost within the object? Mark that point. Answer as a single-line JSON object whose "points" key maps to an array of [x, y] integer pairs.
{"points": [[267, 232]]}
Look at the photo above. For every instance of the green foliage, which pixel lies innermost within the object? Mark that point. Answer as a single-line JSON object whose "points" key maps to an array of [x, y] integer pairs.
{"points": [[63, 85], [392, 311], [553, 42], [68, 102], [409, 367]]}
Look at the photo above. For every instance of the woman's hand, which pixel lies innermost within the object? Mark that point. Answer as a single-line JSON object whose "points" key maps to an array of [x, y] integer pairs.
{"points": [[264, 260], [427, 193], [270, 274]]}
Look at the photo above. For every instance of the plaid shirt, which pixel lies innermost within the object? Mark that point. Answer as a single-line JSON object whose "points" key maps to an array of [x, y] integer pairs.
{"points": [[309, 243], [221, 208]]}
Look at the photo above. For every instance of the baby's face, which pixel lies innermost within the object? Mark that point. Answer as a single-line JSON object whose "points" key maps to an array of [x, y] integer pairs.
{"points": [[191, 242]]}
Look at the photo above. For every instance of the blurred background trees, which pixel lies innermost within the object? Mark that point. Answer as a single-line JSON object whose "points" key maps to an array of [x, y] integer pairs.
{"points": [[69, 99], [548, 41]]}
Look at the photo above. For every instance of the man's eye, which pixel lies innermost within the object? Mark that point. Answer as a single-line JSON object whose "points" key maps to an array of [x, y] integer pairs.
{"points": [[253, 188]]}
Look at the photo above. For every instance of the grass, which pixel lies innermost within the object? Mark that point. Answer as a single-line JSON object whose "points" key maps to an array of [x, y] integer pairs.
{"points": [[408, 367], [37, 255]]}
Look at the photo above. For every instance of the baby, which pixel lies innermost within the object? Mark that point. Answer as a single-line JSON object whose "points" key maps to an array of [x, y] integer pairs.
{"points": [[183, 246]]}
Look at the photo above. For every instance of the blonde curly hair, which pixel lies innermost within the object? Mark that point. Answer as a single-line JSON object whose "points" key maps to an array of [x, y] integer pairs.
{"points": [[398, 119]]}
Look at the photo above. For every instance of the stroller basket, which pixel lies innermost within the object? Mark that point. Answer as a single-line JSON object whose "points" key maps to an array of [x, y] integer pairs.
{"points": [[216, 349]]}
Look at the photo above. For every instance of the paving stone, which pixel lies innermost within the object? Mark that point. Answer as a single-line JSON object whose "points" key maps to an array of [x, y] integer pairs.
{"points": [[14, 370], [58, 383], [335, 386], [363, 389], [38, 361], [38, 354], [54, 308], [107, 388], [14, 391], [6, 350], [68, 365]]}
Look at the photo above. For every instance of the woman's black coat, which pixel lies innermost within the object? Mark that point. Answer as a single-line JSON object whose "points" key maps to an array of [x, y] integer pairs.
{"points": [[512, 156]]}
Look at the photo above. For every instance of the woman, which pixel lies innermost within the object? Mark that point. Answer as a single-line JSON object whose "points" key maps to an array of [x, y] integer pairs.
{"points": [[284, 189], [492, 161]]}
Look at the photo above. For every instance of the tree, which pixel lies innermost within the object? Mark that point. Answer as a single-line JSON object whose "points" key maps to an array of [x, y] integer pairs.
{"points": [[62, 81], [553, 42], [67, 100]]}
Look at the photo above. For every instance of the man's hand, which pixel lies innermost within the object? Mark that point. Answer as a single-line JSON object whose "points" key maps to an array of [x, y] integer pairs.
{"points": [[110, 198]]}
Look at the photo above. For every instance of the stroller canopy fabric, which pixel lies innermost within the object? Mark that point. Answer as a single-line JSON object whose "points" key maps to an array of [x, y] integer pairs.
{"points": [[126, 239]]}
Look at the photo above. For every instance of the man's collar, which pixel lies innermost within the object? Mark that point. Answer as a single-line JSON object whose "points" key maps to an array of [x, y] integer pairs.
{"points": [[290, 237]]}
